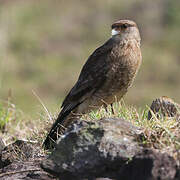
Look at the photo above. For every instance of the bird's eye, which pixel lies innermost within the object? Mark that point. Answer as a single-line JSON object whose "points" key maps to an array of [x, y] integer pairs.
{"points": [[124, 26]]}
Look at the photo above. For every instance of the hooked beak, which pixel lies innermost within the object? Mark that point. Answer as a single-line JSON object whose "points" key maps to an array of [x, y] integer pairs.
{"points": [[114, 32]]}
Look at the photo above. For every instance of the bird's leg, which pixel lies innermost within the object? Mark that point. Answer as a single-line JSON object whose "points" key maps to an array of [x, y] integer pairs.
{"points": [[105, 107], [112, 109]]}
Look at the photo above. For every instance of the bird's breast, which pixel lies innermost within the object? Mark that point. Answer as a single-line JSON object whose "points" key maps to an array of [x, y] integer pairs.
{"points": [[124, 62]]}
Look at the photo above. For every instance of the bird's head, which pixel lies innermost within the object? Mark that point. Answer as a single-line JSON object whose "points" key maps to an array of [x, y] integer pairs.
{"points": [[126, 29]]}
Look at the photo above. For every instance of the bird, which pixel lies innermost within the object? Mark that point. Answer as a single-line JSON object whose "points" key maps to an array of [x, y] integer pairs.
{"points": [[105, 77]]}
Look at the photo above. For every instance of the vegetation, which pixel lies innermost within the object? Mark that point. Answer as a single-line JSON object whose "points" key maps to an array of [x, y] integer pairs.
{"points": [[44, 45], [160, 133], [14, 124]]}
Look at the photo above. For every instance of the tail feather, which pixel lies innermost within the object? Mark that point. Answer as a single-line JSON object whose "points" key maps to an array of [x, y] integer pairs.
{"points": [[58, 126]]}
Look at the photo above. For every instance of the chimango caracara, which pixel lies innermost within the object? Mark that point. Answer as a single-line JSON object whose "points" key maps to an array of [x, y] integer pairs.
{"points": [[105, 77]]}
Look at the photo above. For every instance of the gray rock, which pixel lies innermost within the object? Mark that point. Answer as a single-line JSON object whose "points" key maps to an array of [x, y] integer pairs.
{"points": [[2, 145], [24, 170], [151, 165], [21, 160], [164, 106], [93, 149], [107, 149], [20, 151]]}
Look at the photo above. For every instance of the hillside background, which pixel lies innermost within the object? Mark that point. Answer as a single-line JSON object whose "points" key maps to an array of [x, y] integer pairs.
{"points": [[44, 44]]}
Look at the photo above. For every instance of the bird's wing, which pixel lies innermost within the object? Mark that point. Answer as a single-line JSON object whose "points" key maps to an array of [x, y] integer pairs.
{"points": [[92, 76]]}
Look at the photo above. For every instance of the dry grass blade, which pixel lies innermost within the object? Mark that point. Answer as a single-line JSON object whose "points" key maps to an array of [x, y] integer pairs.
{"points": [[41, 102]]}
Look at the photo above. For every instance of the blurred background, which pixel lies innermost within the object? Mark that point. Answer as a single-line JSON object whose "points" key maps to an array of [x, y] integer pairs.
{"points": [[44, 44]]}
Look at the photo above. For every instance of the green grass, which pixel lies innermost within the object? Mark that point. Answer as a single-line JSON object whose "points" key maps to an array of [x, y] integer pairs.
{"points": [[44, 46], [161, 133], [14, 124], [6, 112]]}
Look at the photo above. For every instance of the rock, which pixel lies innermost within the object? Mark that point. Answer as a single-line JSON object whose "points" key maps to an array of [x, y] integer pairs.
{"points": [[152, 165], [107, 149], [2, 145], [165, 106], [21, 160], [93, 149], [19, 151], [178, 174], [103, 179], [25, 170]]}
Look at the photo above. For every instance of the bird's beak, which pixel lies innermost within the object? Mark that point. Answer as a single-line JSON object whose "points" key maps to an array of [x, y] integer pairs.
{"points": [[114, 32]]}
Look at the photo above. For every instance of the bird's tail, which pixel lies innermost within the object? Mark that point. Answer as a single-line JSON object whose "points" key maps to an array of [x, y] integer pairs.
{"points": [[64, 119]]}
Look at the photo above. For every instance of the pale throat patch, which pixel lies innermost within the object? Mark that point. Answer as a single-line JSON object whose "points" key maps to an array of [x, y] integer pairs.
{"points": [[114, 32]]}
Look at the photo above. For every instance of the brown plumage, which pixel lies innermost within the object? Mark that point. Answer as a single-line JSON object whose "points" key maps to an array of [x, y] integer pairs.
{"points": [[105, 77]]}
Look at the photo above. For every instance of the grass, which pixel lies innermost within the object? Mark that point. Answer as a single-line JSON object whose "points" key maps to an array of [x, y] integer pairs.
{"points": [[14, 124], [5, 115], [44, 45], [162, 134]]}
